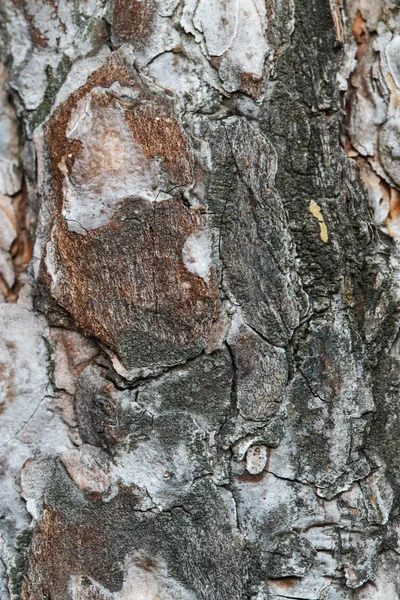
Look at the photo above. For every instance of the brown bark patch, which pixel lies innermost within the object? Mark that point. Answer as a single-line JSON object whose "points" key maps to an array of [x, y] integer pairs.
{"points": [[159, 133], [134, 20], [286, 583], [127, 284], [361, 34], [251, 84], [247, 477], [151, 119], [62, 550]]}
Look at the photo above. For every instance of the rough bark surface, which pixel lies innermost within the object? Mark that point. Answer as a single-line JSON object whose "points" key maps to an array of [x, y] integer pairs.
{"points": [[200, 307]]}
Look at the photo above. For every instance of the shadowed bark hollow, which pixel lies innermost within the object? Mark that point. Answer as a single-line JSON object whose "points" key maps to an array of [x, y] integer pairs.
{"points": [[199, 300]]}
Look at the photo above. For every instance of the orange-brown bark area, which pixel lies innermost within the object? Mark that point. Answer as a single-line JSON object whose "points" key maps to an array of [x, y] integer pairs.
{"points": [[126, 282], [139, 298]]}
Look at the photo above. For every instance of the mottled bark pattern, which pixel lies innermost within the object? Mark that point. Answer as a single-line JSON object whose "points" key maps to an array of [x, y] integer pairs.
{"points": [[199, 360]]}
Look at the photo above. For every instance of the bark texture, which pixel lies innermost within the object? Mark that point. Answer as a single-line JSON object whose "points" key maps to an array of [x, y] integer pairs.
{"points": [[199, 276]]}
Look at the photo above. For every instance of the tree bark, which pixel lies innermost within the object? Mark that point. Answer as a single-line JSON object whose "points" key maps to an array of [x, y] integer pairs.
{"points": [[199, 285]]}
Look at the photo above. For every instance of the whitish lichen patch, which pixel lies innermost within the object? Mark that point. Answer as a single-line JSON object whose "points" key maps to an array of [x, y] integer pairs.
{"points": [[23, 368], [218, 21], [111, 167], [10, 177], [256, 459], [237, 64], [196, 254], [28, 426], [235, 33], [145, 578]]}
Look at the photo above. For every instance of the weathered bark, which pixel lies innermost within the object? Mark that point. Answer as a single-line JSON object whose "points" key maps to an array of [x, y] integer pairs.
{"points": [[199, 358]]}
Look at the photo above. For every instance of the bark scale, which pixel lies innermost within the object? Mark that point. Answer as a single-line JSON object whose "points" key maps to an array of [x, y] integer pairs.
{"points": [[199, 357]]}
